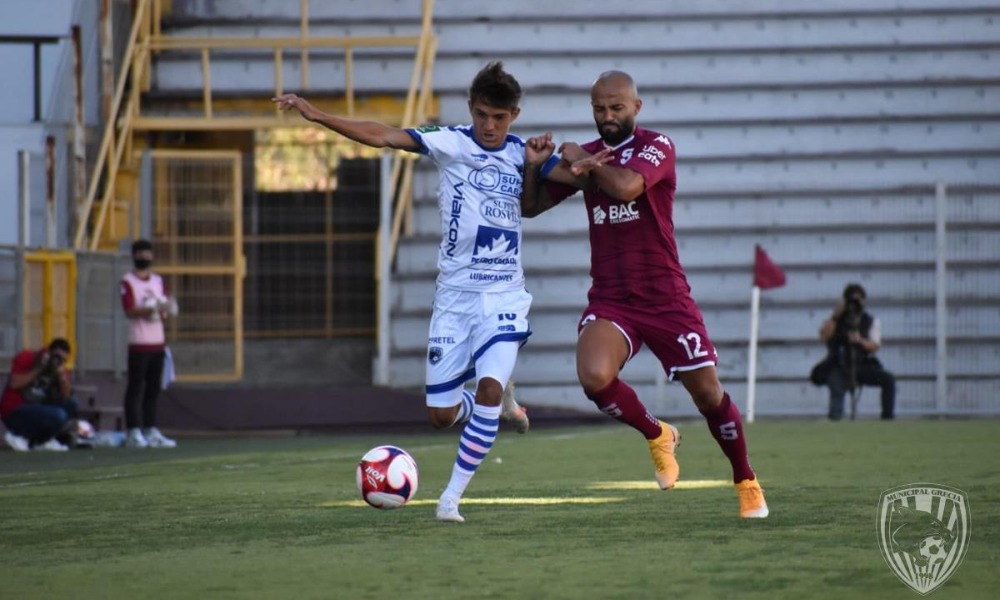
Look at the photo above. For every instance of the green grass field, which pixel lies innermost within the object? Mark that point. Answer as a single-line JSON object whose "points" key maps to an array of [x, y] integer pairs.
{"points": [[265, 517]]}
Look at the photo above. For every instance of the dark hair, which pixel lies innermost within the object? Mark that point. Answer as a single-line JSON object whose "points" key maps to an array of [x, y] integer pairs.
{"points": [[140, 245], [60, 344], [495, 87], [853, 288]]}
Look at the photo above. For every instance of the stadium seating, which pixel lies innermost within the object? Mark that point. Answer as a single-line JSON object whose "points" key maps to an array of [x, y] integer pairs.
{"points": [[816, 130]]}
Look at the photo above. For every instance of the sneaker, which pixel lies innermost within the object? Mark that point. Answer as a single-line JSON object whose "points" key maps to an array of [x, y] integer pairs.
{"points": [[135, 439], [752, 504], [661, 450], [155, 439], [512, 411], [52, 445], [16, 442], [447, 510]]}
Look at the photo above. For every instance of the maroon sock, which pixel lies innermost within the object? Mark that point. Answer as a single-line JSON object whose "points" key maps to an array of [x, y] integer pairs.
{"points": [[727, 428], [620, 401]]}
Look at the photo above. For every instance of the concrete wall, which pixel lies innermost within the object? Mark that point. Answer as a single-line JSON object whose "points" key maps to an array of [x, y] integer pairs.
{"points": [[18, 130]]}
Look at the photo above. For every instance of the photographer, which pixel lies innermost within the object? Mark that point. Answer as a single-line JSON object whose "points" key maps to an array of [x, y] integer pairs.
{"points": [[37, 404], [852, 336]]}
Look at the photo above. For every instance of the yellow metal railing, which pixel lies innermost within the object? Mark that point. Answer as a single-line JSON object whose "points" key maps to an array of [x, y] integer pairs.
{"points": [[49, 306], [146, 40], [117, 133]]}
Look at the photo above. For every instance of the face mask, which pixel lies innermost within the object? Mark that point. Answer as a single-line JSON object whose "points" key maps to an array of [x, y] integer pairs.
{"points": [[142, 263]]}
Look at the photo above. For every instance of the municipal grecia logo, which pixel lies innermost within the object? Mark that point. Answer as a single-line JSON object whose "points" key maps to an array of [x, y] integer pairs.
{"points": [[923, 533]]}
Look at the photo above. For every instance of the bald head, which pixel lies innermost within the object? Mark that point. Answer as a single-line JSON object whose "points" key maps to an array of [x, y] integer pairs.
{"points": [[616, 103], [617, 81]]}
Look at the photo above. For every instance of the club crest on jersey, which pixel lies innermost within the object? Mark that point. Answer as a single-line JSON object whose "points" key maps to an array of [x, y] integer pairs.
{"points": [[495, 246], [434, 354], [491, 179], [626, 155]]}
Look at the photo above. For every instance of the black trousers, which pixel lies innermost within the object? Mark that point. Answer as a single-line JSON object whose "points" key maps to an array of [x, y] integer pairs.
{"points": [[867, 374], [145, 377]]}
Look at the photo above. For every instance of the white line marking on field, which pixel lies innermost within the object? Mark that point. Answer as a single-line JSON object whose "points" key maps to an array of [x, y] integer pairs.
{"points": [[495, 501], [691, 484]]}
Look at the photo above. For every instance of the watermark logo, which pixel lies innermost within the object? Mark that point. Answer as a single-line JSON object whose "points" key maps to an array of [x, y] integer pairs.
{"points": [[923, 533]]}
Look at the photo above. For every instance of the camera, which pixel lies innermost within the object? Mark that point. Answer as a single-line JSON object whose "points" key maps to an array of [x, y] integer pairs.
{"points": [[853, 310], [55, 361]]}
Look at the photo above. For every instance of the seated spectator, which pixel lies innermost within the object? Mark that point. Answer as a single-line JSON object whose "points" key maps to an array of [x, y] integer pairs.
{"points": [[37, 404], [853, 336]]}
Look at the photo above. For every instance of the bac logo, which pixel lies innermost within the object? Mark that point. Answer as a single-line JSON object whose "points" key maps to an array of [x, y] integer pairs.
{"points": [[622, 213], [599, 215]]}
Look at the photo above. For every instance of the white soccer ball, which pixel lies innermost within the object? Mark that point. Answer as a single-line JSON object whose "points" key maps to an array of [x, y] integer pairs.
{"points": [[387, 477], [84, 430]]}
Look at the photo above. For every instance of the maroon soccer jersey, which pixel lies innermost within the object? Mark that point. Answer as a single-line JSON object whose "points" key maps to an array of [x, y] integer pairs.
{"points": [[633, 253]]}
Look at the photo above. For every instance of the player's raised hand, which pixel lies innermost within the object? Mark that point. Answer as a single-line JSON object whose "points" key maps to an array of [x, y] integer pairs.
{"points": [[572, 152], [538, 149], [589, 163], [287, 101]]}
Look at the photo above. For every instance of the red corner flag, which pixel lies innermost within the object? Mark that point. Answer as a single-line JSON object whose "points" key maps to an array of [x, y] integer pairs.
{"points": [[766, 274]]}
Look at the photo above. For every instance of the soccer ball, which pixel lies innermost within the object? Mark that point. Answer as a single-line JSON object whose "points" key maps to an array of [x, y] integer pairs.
{"points": [[387, 477]]}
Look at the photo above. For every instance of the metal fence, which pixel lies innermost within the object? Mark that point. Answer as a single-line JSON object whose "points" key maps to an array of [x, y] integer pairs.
{"points": [[92, 309], [929, 257]]}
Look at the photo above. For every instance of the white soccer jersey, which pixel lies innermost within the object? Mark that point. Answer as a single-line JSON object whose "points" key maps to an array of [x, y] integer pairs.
{"points": [[479, 201]]}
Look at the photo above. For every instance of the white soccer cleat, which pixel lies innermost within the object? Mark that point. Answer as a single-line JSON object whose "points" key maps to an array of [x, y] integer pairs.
{"points": [[53, 445], [16, 442], [155, 439], [447, 510], [135, 439], [512, 411]]}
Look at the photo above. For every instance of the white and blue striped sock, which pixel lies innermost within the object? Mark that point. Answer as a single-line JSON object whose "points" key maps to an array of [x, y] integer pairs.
{"points": [[465, 407], [475, 444]]}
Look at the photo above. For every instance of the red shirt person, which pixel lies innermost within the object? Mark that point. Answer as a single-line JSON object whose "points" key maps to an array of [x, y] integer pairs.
{"points": [[640, 294], [37, 404]]}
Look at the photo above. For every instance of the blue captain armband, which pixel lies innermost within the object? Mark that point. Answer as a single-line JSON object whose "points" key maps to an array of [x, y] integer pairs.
{"points": [[548, 166]]}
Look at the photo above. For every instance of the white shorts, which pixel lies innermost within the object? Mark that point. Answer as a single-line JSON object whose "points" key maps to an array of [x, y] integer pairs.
{"points": [[463, 342]]}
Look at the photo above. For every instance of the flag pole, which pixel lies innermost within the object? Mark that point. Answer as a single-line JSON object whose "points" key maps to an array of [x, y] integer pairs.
{"points": [[752, 354]]}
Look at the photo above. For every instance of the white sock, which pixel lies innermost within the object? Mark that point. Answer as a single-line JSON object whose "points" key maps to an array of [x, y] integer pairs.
{"points": [[474, 445], [465, 407]]}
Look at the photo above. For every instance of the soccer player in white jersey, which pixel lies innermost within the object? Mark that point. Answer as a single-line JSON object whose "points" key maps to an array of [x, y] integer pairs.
{"points": [[480, 315]]}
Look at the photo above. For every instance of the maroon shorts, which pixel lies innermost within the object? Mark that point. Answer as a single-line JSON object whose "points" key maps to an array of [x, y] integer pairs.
{"points": [[675, 334]]}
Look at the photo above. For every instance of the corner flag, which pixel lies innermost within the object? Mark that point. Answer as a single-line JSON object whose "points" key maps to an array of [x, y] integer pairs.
{"points": [[766, 274]]}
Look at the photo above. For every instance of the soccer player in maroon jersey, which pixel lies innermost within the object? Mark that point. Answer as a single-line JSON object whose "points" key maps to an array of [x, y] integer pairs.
{"points": [[640, 293]]}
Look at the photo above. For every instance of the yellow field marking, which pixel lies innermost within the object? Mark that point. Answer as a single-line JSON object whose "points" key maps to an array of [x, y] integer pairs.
{"points": [[690, 484], [512, 501]]}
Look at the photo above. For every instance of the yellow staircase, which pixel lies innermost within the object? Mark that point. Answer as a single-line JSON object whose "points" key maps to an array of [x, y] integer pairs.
{"points": [[110, 212]]}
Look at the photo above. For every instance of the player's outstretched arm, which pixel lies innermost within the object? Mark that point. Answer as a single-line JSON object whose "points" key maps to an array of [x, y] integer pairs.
{"points": [[617, 182], [370, 133]]}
